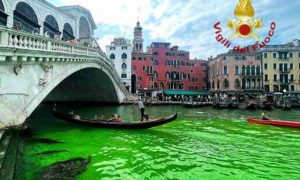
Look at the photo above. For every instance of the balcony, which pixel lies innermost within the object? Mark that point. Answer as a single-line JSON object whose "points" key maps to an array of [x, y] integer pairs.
{"points": [[283, 71]]}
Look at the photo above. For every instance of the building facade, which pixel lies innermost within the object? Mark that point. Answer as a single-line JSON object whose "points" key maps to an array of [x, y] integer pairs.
{"points": [[235, 72], [281, 67], [120, 52]]}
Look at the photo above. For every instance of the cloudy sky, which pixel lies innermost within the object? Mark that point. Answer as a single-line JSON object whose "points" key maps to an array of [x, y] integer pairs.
{"points": [[187, 23]]}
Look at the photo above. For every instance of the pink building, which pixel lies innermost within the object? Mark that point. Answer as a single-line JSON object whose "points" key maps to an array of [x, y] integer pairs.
{"points": [[235, 72]]}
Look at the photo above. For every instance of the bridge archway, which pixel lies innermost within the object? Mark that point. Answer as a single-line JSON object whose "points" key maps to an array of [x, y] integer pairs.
{"points": [[84, 28], [68, 32], [3, 15], [25, 15], [51, 26]]}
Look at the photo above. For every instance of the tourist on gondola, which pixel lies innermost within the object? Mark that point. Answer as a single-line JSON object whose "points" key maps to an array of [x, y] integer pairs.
{"points": [[18, 26], [142, 110]]}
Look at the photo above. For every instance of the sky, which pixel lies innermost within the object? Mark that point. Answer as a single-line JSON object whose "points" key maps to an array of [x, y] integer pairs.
{"points": [[188, 24]]}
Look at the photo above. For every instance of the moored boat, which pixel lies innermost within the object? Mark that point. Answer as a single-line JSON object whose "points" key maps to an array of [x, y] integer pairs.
{"points": [[293, 124], [117, 125]]}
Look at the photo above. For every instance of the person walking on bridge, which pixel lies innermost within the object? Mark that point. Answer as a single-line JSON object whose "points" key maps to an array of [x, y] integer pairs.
{"points": [[142, 110]]}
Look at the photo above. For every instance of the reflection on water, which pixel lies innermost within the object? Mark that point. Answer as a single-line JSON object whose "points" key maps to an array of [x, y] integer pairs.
{"points": [[202, 144]]}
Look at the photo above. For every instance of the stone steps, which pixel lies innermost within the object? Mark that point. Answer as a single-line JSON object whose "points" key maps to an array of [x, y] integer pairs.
{"points": [[8, 151]]}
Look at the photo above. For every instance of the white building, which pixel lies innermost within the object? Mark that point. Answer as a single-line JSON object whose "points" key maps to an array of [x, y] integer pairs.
{"points": [[120, 53]]}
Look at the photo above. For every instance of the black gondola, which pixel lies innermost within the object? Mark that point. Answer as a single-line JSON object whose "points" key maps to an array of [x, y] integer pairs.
{"points": [[117, 125]]}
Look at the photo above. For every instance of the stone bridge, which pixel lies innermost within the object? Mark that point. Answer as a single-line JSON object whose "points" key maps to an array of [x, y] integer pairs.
{"points": [[34, 68]]}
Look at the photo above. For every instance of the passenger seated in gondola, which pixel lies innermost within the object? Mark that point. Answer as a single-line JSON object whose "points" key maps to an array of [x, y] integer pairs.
{"points": [[264, 116], [118, 118]]}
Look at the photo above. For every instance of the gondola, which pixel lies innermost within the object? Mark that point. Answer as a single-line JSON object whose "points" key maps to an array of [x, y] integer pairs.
{"points": [[293, 124], [117, 125]]}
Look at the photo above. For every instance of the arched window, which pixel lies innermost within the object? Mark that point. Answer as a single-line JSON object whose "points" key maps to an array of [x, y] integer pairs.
{"points": [[84, 29], [155, 74], [226, 83], [3, 15], [124, 56], [167, 63], [258, 70], [244, 84], [182, 63], [225, 70], [237, 70], [253, 70], [248, 70], [218, 84], [51, 26], [155, 85], [169, 85], [213, 84], [124, 66], [155, 62], [243, 70], [162, 85], [112, 56], [167, 75], [25, 15], [237, 83], [68, 32]]}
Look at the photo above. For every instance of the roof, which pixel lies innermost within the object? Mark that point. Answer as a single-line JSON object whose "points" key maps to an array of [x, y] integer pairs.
{"points": [[183, 92]]}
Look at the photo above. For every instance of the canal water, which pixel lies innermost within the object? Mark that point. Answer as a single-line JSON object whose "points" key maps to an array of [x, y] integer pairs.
{"points": [[203, 143]]}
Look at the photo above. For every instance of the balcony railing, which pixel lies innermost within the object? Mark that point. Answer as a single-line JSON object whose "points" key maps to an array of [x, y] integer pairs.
{"points": [[284, 70]]}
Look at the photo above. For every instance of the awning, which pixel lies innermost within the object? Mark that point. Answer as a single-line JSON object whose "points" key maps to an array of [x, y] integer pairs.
{"points": [[187, 93]]}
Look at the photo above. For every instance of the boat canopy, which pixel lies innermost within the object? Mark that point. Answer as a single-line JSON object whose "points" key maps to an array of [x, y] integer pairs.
{"points": [[186, 93]]}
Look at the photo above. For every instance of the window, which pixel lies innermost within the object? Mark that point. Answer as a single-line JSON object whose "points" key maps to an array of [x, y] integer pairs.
{"points": [[292, 77], [291, 66], [112, 48], [155, 62], [248, 70], [258, 70], [237, 70], [275, 77], [112, 56], [292, 88], [274, 55], [140, 58], [143, 68], [133, 58], [124, 47], [124, 56], [225, 70], [244, 58], [236, 58], [123, 75], [124, 66], [266, 66], [167, 63], [265, 55], [243, 70], [299, 55], [274, 66], [237, 83], [155, 53], [155, 74], [253, 70], [291, 55], [224, 58], [226, 83], [266, 77]]}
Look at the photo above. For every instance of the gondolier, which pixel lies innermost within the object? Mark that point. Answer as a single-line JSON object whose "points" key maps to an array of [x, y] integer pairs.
{"points": [[142, 110]]}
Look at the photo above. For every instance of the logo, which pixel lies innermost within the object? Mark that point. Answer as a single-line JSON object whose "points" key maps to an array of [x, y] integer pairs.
{"points": [[244, 26]]}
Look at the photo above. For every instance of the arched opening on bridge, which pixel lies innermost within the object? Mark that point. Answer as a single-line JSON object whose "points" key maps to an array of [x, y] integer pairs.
{"points": [[25, 15], [90, 85], [133, 83], [68, 32], [3, 15], [51, 26], [84, 29]]}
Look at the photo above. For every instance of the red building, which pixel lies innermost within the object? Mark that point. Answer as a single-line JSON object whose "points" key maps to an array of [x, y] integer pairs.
{"points": [[164, 67]]}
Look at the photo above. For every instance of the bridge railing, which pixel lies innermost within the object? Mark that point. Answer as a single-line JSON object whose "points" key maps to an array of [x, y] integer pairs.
{"points": [[11, 38]]}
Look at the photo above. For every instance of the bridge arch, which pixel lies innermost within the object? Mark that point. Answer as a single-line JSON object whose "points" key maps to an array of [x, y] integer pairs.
{"points": [[25, 15], [3, 15], [63, 88], [51, 26], [84, 28]]}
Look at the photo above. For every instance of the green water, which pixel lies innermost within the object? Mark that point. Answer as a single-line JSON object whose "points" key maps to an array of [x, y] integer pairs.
{"points": [[202, 143]]}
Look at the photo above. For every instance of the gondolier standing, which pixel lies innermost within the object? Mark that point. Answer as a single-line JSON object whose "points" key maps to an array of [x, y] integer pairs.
{"points": [[142, 110]]}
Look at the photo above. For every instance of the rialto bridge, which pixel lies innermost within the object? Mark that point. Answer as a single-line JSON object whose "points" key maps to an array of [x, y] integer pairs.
{"points": [[52, 57]]}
